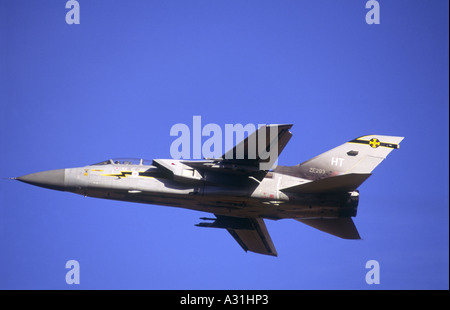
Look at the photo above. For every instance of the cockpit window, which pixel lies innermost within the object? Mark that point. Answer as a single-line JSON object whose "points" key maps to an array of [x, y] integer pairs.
{"points": [[124, 161], [106, 162], [127, 161]]}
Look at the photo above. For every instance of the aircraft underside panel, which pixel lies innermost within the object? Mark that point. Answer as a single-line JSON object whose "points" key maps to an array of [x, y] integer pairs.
{"points": [[233, 206]]}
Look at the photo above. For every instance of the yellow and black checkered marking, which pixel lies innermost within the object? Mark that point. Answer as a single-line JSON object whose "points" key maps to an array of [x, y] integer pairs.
{"points": [[375, 143]]}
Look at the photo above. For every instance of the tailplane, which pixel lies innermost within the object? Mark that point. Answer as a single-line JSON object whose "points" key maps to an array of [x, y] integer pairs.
{"points": [[340, 227]]}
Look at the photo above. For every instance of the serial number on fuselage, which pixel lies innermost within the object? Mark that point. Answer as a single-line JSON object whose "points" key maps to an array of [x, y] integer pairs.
{"points": [[317, 170]]}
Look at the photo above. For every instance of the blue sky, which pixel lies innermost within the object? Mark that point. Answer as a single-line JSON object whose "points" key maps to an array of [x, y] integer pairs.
{"points": [[114, 85]]}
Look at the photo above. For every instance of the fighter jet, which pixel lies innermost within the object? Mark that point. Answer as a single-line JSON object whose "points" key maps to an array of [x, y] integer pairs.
{"points": [[321, 192]]}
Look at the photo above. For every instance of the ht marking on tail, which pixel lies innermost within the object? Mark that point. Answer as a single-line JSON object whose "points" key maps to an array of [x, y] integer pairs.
{"points": [[337, 161]]}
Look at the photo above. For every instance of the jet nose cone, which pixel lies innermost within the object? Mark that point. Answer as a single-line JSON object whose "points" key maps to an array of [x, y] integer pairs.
{"points": [[53, 179]]}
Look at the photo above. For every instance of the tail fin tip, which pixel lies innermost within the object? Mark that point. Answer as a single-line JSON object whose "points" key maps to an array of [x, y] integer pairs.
{"points": [[376, 141]]}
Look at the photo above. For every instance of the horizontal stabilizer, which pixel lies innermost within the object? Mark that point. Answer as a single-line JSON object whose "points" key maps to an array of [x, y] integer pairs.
{"points": [[340, 183], [340, 227]]}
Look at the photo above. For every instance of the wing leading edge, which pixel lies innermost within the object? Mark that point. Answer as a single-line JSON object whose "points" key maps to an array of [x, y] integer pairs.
{"points": [[251, 233]]}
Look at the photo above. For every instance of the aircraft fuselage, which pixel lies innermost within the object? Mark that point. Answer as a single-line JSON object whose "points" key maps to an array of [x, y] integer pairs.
{"points": [[148, 184]]}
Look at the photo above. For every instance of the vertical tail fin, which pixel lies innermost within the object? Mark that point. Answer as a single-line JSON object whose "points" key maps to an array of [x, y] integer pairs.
{"points": [[358, 156]]}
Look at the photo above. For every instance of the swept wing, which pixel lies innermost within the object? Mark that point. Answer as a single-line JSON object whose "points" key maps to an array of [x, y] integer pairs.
{"points": [[250, 233]]}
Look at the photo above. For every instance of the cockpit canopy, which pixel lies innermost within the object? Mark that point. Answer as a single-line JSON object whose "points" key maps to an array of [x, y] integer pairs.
{"points": [[124, 161]]}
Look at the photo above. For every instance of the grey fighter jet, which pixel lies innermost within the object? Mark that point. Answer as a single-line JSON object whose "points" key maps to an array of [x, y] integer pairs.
{"points": [[321, 192]]}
